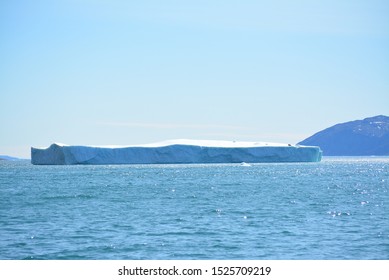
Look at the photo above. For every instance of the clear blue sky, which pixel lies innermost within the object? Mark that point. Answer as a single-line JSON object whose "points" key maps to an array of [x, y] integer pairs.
{"points": [[116, 72]]}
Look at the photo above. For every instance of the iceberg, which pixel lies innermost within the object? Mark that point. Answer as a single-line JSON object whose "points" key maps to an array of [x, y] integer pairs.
{"points": [[175, 152]]}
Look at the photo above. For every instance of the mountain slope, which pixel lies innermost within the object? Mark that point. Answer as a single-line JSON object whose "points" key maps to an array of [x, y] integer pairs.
{"points": [[356, 138]]}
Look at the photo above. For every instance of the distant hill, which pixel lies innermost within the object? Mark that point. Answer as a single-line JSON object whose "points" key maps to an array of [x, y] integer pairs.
{"points": [[368, 137], [2, 157]]}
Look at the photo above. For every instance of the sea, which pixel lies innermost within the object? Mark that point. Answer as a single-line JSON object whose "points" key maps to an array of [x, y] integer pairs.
{"points": [[337, 209]]}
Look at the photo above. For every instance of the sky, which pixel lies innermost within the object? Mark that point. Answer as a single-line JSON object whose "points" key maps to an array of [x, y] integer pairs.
{"points": [[116, 72]]}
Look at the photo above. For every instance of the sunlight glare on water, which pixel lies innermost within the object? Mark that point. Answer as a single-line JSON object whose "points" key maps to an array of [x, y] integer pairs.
{"points": [[335, 209]]}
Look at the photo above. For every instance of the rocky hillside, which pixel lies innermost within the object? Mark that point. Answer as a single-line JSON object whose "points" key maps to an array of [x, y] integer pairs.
{"points": [[366, 137]]}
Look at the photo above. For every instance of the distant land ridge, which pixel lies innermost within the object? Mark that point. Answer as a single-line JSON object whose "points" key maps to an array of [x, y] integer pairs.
{"points": [[4, 157], [367, 137]]}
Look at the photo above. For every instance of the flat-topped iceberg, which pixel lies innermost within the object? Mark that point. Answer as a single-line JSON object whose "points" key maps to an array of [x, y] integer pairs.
{"points": [[176, 151]]}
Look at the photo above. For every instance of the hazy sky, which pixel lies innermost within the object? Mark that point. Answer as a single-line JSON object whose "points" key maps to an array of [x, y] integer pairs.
{"points": [[110, 72]]}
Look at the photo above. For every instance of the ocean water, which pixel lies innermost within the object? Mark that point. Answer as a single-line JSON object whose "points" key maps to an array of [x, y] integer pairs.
{"points": [[335, 209]]}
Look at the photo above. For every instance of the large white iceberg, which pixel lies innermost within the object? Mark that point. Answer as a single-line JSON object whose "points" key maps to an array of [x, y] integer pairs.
{"points": [[177, 151]]}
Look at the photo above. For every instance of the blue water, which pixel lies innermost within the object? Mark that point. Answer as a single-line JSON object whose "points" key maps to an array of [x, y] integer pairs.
{"points": [[335, 209]]}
